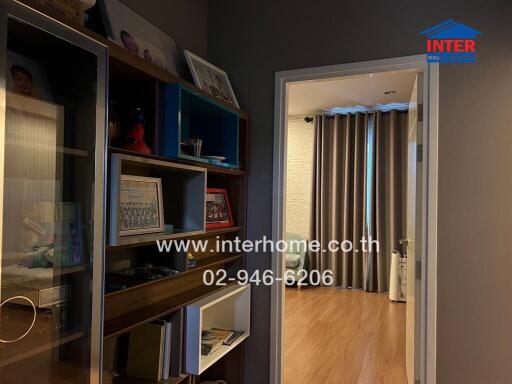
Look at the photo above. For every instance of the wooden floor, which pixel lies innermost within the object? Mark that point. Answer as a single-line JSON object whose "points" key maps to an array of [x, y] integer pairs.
{"points": [[335, 336]]}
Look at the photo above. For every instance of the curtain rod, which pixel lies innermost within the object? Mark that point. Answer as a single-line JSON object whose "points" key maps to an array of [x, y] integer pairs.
{"points": [[309, 119]]}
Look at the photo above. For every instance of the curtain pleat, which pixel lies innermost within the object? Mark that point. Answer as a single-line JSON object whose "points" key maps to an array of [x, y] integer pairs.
{"points": [[358, 192]]}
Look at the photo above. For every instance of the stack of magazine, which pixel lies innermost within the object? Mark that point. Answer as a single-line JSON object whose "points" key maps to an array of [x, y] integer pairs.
{"points": [[212, 339]]}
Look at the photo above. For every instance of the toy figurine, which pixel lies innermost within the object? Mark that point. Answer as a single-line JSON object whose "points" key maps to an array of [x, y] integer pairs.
{"points": [[134, 136]]}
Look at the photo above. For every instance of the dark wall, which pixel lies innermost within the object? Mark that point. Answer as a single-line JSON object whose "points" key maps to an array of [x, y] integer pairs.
{"points": [[252, 39], [185, 20]]}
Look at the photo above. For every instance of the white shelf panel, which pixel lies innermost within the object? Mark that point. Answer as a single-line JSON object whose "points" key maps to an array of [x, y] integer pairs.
{"points": [[228, 308], [208, 361]]}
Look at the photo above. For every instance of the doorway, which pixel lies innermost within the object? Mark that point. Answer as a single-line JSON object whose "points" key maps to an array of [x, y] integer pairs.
{"points": [[425, 299]]}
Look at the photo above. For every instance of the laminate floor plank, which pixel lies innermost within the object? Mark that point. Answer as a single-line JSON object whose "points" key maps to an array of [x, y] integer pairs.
{"points": [[339, 336]]}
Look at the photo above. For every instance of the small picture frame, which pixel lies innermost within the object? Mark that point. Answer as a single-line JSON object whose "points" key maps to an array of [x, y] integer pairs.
{"points": [[140, 208], [218, 210], [211, 79]]}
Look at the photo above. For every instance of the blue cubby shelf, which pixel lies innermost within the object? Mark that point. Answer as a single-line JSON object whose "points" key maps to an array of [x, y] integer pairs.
{"points": [[190, 115]]}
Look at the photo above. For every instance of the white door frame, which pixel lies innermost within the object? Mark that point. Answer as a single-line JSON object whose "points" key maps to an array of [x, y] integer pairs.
{"points": [[429, 219]]}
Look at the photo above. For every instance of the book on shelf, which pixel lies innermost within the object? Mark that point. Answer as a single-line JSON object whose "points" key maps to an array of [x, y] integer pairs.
{"points": [[213, 338], [149, 351]]}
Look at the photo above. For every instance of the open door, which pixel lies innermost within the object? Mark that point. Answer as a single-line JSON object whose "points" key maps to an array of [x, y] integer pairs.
{"points": [[413, 241]]}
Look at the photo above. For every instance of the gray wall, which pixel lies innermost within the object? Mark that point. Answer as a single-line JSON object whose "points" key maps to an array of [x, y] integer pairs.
{"points": [[185, 20], [252, 39]]}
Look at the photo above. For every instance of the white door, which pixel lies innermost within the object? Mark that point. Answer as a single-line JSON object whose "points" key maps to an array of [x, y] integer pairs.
{"points": [[413, 240]]}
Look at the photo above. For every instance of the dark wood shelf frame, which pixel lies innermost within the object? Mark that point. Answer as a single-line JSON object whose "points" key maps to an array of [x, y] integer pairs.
{"points": [[201, 265], [208, 232], [171, 380], [209, 167], [125, 323]]}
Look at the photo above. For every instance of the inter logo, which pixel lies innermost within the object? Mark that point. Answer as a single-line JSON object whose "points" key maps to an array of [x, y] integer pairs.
{"points": [[451, 42]]}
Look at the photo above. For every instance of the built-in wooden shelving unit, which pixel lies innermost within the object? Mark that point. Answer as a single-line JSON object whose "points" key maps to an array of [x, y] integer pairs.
{"points": [[135, 81]]}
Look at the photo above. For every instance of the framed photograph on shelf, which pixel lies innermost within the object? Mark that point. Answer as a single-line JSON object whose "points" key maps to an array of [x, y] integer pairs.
{"points": [[137, 35], [27, 77], [140, 206], [218, 210], [211, 79]]}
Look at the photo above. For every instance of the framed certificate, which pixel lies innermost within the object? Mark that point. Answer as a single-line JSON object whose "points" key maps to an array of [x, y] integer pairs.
{"points": [[140, 205]]}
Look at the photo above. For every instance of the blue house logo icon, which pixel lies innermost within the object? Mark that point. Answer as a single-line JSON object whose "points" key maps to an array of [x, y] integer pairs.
{"points": [[451, 42]]}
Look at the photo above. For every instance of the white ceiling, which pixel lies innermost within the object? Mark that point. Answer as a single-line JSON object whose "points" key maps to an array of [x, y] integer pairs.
{"points": [[309, 97]]}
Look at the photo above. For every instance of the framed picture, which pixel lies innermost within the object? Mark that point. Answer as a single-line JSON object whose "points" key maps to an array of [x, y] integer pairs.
{"points": [[210, 78], [218, 211], [140, 205], [137, 35], [27, 77]]}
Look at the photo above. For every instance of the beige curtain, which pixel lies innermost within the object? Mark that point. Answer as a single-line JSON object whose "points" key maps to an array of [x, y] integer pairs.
{"points": [[358, 193]]}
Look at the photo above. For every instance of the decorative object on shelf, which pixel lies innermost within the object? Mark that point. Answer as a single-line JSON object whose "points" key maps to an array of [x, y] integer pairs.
{"points": [[195, 147], [57, 231], [87, 4], [147, 272], [69, 9], [215, 158], [191, 260], [212, 339], [210, 78], [134, 137], [140, 205], [114, 122], [218, 210], [139, 36]]}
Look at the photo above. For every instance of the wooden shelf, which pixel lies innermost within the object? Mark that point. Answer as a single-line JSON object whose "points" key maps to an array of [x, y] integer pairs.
{"points": [[45, 147], [131, 380], [122, 324], [220, 231], [136, 241], [174, 236], [13, 353], [208, 361], [209, 167], [201, 264]]}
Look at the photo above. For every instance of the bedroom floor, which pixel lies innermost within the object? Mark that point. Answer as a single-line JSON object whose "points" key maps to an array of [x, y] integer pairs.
{"points": [[337, 336]]}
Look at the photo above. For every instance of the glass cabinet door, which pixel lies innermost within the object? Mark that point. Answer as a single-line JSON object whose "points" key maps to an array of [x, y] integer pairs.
{"points": [[52, 145]]}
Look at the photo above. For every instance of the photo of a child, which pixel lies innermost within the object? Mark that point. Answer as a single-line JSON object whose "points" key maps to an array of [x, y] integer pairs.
{"points": [[27, 77], [23, 80], [138, 36], [129, 42]]}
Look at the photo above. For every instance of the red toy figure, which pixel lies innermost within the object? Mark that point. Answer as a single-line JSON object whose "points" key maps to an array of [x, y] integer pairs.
{"points": [[134, 136]]}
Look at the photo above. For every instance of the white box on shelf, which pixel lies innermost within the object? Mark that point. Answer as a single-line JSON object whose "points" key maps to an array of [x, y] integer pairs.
{"points": [[229, 308]]}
